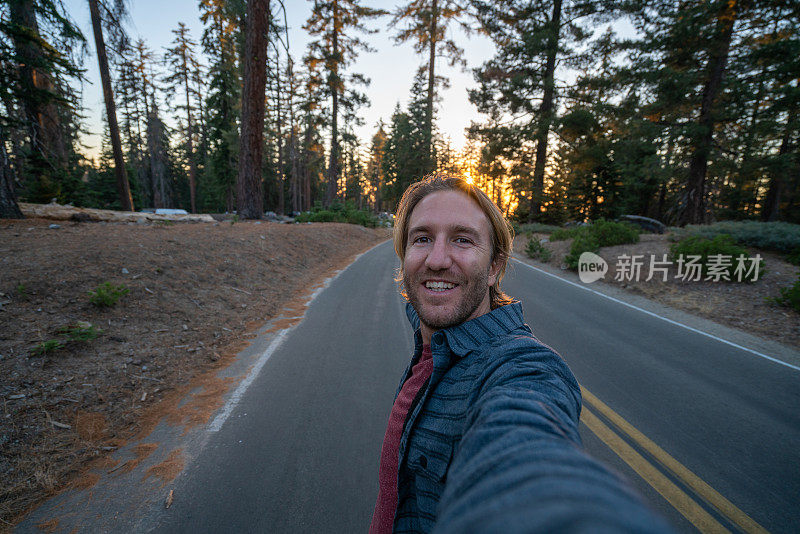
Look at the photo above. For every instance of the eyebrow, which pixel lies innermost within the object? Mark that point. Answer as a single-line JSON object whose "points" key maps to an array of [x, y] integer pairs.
{"points": [[458, 229]]}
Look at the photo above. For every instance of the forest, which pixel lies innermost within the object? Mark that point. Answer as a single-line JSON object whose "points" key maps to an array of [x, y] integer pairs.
{"points": [[691, 118]]}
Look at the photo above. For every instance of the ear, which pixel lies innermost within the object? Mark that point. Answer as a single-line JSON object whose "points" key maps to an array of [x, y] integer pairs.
{"points": [[494, 269]]}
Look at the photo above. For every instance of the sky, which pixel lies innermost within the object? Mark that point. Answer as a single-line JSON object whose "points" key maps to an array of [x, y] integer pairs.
{"points": [[391, 68]]}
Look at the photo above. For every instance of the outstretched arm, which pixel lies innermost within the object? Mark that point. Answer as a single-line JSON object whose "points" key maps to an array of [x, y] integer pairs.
{"points": [[520, 466]]}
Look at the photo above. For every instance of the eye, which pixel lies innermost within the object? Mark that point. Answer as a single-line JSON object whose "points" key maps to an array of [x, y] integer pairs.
{"points": [[421, 239], [463, 241]]}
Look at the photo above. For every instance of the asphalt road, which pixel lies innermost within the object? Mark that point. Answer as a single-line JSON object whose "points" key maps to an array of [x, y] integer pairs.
{"points": [[299, 452]]}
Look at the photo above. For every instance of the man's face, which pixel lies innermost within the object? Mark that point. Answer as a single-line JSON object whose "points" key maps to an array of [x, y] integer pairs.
{"points": [[448, 267]]}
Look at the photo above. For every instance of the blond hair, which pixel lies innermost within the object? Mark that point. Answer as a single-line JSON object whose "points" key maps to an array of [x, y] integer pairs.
{"points": [[502, 233]]}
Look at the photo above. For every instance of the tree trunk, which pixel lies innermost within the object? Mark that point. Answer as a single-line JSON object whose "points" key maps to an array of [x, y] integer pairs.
{"points": [[189, 134], [123, 188], [38, 91], [9, 209], [250, 201], [772, 202], [545, 113], [293, 141], [431, 85], [281, 164], [333, 83], [695, 211]]}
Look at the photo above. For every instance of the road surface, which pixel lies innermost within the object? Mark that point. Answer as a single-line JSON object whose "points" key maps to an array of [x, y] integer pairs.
{"points": [[708, 432]]}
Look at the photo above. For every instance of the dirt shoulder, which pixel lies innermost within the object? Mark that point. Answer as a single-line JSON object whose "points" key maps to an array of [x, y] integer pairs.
{"points": [[738, 305], [196, 291]]}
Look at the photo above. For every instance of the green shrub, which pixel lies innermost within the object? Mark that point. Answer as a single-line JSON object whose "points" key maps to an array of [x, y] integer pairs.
{"points": [[794, 257], [107, 294], [779, 236], [723, 245], [610, 233], [343, 213], [592, 237], [51, 345], [80, 331], [790, 296], [537, 250], [561, 234], [583, 242]]}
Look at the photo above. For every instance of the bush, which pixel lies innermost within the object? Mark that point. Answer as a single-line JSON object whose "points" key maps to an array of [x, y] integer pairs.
{"points": [[561, 234], [343, 213], [779, 236], [583, 242], [537, 250], [80, 331], [790, 296], [794, 257], [107, 294], [610, 233], [723, 245], [592, 237], [51, 345]]}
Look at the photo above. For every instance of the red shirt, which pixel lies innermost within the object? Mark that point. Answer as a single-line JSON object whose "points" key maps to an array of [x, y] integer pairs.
{"points": [[385, 507]]}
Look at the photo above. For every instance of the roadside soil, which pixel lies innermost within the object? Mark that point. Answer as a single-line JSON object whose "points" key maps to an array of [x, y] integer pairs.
{"points": [[197, 292], [738, 305]]}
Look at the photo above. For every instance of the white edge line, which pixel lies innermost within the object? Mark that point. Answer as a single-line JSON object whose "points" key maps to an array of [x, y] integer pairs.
{"points": [[732, 344], [237, 395]]}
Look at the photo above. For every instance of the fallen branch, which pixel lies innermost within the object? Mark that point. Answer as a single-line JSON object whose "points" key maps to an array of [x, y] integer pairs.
{"points": [[239, 290], [147, 378]]}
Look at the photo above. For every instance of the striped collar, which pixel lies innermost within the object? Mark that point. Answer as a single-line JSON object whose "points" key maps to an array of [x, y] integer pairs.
{"points": [[468, 336]]}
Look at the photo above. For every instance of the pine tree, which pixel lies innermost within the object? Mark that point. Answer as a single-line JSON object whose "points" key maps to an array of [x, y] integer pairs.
{"points": [[375, 172], [181, 59], [250, 188], [426, 23], [518, 85], [40, 50], [98, 21], [221, 42], [335, 24]]}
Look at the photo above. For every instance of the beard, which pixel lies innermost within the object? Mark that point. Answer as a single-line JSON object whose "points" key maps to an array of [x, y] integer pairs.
{"points": [[436, 317]]}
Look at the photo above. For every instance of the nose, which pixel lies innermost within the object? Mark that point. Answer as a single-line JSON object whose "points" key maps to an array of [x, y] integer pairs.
{"points": [[439, 256]]}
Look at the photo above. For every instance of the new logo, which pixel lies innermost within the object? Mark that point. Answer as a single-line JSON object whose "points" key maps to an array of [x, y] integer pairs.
{"points": [[591, 267]]}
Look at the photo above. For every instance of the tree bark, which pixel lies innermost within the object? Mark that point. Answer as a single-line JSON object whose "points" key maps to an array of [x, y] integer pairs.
{"points": [[9, 209], [695, 210], [123, 188], [250, 195], [293, 141], [189, 134], [431, 83], [545, 113], [281, 163], [333, 84], [38, 91], [772, 202]]}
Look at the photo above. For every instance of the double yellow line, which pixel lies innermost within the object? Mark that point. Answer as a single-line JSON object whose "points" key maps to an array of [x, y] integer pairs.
{"points": [[678, 498]]}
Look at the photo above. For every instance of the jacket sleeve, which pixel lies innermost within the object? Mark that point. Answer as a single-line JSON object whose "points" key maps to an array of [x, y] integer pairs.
{"points": [[520, 466]]}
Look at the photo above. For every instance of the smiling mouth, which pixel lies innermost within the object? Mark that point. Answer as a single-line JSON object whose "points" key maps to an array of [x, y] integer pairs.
{"points": [[439, 287]]}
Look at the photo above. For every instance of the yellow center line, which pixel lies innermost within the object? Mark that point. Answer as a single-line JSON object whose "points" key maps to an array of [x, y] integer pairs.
{"points": [[727, 508], [672, 493]]}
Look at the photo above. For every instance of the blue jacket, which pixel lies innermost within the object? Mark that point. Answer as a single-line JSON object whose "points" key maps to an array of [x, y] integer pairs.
{"points": [[491, 442]]}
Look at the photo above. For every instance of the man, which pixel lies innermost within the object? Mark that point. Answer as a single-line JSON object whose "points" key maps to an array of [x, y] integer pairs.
{"points": [[483, 434]]}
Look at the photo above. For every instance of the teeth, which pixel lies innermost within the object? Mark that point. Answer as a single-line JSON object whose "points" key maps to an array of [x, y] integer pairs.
{"points": [[439, 286]]}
